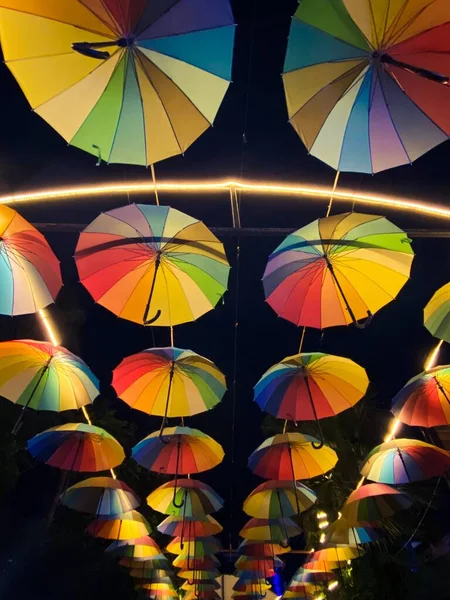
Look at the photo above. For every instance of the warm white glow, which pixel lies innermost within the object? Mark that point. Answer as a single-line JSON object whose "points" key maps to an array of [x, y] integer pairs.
{"points": [[321, 515], [208, 187], [432, 359], [349, 562], [323, 537], [339, 515], [395, 427], [323, 524], [333, 585], [48, 326]]}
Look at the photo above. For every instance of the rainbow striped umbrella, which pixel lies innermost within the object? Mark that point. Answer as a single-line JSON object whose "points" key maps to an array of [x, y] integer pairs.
{"points": [[148, 566], [153, 265], [201, 586], [311, 386], [142, 548], [437, 314], [371, 503], [178, 450], [193, 499], [189, 528], [277, 530], [366, 82], [340, 532], [169, 382], [77, 447], [155, 575], [198, 547], [129, 526], [199, 575], [404, 461], [29, 271], [338, 270], [130, 82], [41, 376], [279, 500], [261, 549], [102, 496], [425, 400], [189, 563]]}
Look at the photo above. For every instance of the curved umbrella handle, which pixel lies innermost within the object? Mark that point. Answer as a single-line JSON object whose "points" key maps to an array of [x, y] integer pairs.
{"points": [[183, 500], [285, 543], [146, 320], [365, 323], [153, 319], [99, 155], [87, 49]]}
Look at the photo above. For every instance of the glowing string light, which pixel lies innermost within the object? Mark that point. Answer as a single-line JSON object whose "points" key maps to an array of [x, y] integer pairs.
{"points": [[208, 187], [432, 359]]}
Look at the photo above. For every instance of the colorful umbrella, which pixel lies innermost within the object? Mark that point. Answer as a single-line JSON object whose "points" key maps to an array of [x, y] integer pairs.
{"points": [[102, 496], [143, 548], [262, 549], [425, 400], [147, 566], [277, 530], [197, 547], [77, 447], [403, 461], [29, 271], [152, 264], [203, 563], [131, 83], [41, 376], [291, 456], [155, 575], [437, 314], [194, 499], [201, 586], [309, 576], [199, 575], [334, 553], [169, 382], [261, 565], [189, 528], [248, 586], [340, 532], [366, 82], [371, 503], [311, 386], [338, 270], [178, 450], [279, 500], [129, 526]]}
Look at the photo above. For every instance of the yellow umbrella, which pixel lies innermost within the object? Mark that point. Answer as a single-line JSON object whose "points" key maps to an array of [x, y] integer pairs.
{"points": [[437, 314], [126, 81], [130, 526]]}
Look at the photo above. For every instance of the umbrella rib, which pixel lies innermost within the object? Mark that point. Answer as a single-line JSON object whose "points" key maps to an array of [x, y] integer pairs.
{"points": [[385, 72], [369, 279], [127, 66]]}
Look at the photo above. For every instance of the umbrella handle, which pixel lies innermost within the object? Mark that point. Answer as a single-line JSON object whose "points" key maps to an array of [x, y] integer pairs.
{"points": [[87, 49], [183, 501], [285, 544], [153, 319], [145, 319], [99, 155], [365, 323], [313, 408]]}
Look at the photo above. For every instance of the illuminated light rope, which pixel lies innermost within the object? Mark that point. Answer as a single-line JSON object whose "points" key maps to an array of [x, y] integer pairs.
{"points": [[251, 187]]}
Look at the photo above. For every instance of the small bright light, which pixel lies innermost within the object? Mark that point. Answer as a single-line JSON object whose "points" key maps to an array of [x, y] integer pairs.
{"points": [[396, 426], [432, 359], [323, 537], [323, 524], [333, 585], [339, 515], [46, 322], [349, 562], [321, 515]]}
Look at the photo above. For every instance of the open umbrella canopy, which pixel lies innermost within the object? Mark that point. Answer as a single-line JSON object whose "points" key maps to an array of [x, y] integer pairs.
{"points": [[169, 382], [201, 586], [141, 548], [303, 575], [133, 82], [311, 386], [129, 526], [425, 400], [29, 271], [335, 553], [291, 456], [276, 530], [278, 500], [338, 270], [196, 547], [178, 451], [373, 502], [404, 461], [366, 82], [154, 575], [77, 447], [203, 563], [194, 575], [437, 314], [153, 265], [261, 549], [340, 532], [193, 499], [189, 528], [146, 567], [102, 496], [42, 376]]}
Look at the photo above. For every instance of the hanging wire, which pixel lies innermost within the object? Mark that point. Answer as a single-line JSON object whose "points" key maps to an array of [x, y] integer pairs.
{"points": [[336, 179], [152, 169], [302, 339]]}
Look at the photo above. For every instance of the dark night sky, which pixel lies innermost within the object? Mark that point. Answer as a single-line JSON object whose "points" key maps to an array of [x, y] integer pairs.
{"points": [[393, 349]]}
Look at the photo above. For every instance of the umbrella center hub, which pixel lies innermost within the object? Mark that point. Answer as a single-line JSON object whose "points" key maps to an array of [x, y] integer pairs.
{"points": [[126, 42]]}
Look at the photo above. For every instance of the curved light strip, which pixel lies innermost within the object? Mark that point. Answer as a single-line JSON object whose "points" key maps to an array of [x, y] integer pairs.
{"points": [[251, 187]]}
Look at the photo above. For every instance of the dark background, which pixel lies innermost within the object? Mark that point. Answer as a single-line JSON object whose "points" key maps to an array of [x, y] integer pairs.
{"points": [[251, 139]]}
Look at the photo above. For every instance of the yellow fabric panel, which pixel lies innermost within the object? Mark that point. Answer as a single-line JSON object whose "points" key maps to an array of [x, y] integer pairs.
{"points": [[310, 119], [205, 90], [44, 78], [6, 216], [186, 120], [360, 12], [414, 18], [27, 36], [67, 111], [337, 226], [160, 139], [65, 11], [302, 85]]}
